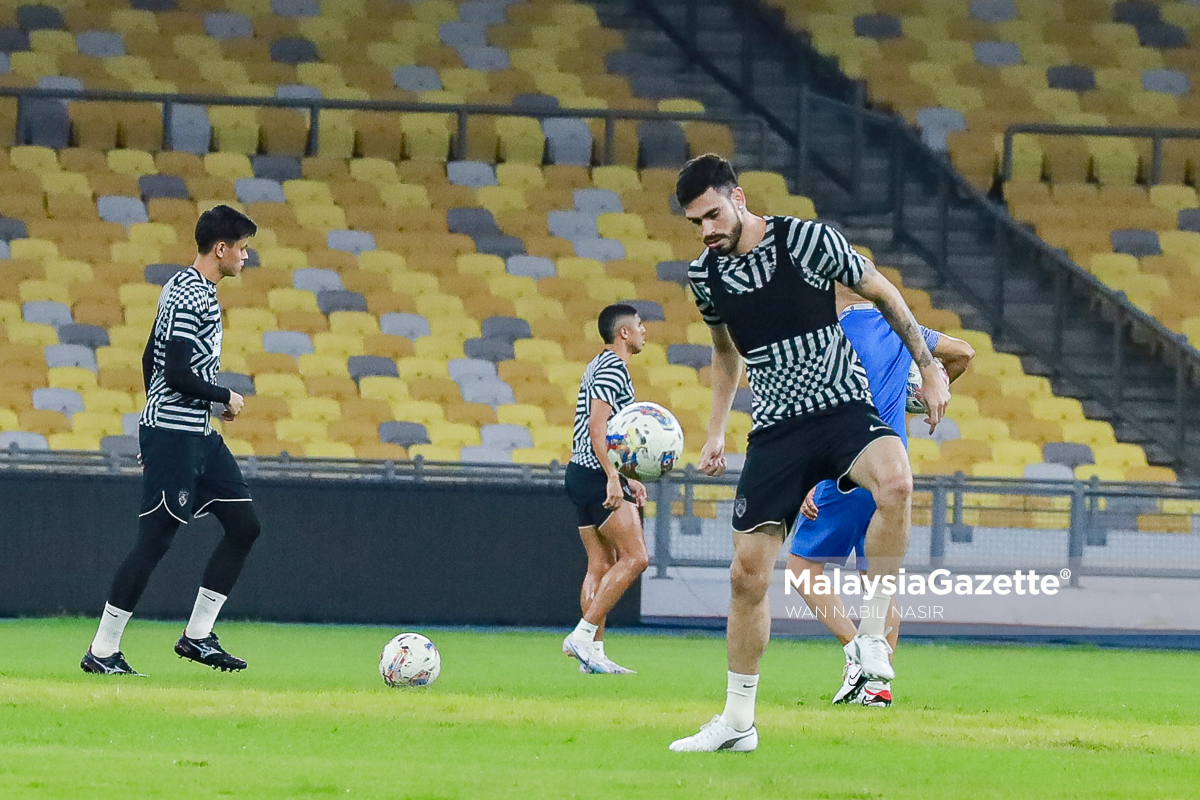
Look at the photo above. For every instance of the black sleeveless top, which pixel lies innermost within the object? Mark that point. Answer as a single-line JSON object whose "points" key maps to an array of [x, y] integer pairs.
{"points": [[777, 302]]}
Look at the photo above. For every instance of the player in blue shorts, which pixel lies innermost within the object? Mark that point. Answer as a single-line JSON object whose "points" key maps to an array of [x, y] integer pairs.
{"points": [[832, 524]]}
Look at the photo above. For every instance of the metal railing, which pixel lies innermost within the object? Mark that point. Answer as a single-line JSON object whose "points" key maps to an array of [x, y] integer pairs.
{"points": [[916, 177], [462, 112], [1084, 516]]}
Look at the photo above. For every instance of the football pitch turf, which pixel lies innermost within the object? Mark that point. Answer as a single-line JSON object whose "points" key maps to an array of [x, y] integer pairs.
{"points": [[512, 718]]}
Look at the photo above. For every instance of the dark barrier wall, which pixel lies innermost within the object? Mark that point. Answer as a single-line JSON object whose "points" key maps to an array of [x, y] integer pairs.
{"points": [[330, 552]]}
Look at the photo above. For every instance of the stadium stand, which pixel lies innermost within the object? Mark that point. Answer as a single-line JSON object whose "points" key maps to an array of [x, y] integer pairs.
{"points": [[405, 298]]}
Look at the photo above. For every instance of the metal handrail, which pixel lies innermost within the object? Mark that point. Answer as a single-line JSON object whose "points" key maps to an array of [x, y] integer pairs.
{"points": [[315, 105], [1156, 135]]}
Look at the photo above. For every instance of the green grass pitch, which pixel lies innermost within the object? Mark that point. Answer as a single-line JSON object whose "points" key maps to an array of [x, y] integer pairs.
{"points": [[511, 718]]}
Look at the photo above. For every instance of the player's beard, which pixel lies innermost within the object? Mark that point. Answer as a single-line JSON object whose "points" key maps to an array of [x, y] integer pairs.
{"points": [[728, 243]]}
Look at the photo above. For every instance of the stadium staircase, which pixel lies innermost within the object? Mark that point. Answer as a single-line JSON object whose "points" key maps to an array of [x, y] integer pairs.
{"points": [[741, 57]]}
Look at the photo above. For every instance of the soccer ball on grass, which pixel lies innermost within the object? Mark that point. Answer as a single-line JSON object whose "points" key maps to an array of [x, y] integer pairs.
{"points": [[409, 660]]}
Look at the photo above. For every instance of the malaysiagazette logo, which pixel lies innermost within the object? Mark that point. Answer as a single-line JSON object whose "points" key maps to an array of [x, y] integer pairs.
{"points": [[938, 582]]}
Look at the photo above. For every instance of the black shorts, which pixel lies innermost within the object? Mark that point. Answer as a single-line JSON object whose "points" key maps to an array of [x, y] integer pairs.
{"points": [[184, 471], [588, 489], [785, 460]]}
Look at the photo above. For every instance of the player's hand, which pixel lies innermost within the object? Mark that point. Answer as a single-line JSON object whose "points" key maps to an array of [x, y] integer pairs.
{"points": [[712, 457], [233, 407], [809, 508], [614, 494], [935, 392], [638, 490]]}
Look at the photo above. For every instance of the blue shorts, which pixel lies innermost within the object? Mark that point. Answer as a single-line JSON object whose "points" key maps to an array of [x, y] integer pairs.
{"points": [[839, 529]]}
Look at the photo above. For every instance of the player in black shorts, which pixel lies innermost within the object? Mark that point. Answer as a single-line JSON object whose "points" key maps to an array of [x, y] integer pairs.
{"points": [[764, 285], [606, 504], [187, 469]]}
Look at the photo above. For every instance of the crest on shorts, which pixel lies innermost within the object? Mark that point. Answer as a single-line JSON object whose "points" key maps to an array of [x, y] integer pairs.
{"points": [[183, 498], [739, 506]]}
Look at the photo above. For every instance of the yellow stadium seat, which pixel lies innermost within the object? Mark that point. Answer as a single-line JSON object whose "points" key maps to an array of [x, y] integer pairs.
{"points": [[301, 430], [534, 455], [286, 299], [315, 365], [1105, 473], [1120, 454], [32, 333], [316, 409], [230, 166], [1088, 431], [288, 386], [74, 441]]}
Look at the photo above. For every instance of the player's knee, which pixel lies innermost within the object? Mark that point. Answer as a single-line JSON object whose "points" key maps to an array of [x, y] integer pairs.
{"points": [[894, 491], [638, 561], [243, 528], [748, 582]]}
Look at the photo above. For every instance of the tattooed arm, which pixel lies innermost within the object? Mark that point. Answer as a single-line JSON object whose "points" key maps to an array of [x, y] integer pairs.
{"points": [[887, 298]]}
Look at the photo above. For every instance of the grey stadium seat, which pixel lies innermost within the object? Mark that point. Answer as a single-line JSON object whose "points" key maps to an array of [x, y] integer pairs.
{"points": [[1136, 242], [413, 78], [23, 440], [598, 201], [1167, 81], [120, 445], [492, 393], [483, 12], [66, 401], [162, 186], [485, 59], [294, 50], [400, 323], [572, 225], [364, 366], [12, 229], [405, 434], [648, 310], [340, 300], [100, 44], [697, 356], [506, 437], [92, 336], [40, 18], [475, 174], [1136, 12], [495, 350], [259, 190], [44, 123], [661, 144], [311, 279], [277, 168], [132, 421], [482, 454], [997, 54], [157, 6], [508, 329], [568, 141], [292, 343], [296, 8], [190, 130], [500, 245], [742, 400], [993, 10], [227, 25], [1189, 219], [472, 222], [937, 122], [1053, 472], [298, 91], [463, 34], [1073, 454], [525, 266], [1162, 35], [236, 382], [4, 249], [355, 242], [71, 355], [599, 249], [47, 312], [878, 26], [13, 40], [673, 271], [471, 369], [160, 273], [1073, 77]]}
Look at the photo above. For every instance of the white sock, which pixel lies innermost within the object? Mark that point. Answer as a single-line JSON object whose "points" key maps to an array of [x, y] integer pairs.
{"points": [[598, 647], [740, 692], [876, 619], [585, 630], [204, 613], [108, 635]]}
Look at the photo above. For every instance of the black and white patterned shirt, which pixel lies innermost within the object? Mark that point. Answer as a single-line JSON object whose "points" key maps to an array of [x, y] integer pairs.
{"points": [[798, 359], [187, 309], [606, 378]]}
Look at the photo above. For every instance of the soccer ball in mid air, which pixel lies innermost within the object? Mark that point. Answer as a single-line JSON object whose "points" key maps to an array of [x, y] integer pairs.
{"points": [[644, 441], [409, 660], [915, 399]]}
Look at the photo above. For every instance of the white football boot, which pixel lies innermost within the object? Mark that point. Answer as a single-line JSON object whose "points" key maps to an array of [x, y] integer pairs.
{"points": [[852, 682], [872, 654], [717, 736], [874, 694]]}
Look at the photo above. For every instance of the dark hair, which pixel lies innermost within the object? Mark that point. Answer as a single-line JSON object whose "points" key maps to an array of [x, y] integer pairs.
{"points": [[222, 224], [609, 319], [702, 173]]}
